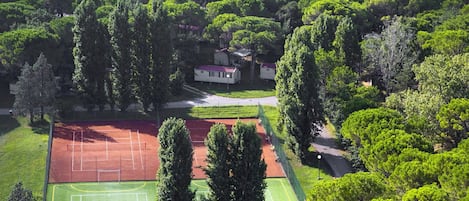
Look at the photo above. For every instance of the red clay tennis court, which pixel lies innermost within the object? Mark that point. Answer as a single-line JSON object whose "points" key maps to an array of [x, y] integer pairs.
{"points": [[127, 150]]}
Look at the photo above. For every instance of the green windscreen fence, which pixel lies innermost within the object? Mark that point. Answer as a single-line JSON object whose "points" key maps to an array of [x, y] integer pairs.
{"points": [[282, 158]]}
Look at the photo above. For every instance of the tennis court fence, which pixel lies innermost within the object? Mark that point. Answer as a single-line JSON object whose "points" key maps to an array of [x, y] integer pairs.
{"points": [[282, 158]]}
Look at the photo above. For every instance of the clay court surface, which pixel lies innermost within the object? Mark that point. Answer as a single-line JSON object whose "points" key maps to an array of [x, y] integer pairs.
{"points": [[127, 150]]}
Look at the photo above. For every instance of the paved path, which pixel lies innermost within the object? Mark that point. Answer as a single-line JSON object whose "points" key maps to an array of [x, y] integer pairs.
{"points": [[325, 144]]}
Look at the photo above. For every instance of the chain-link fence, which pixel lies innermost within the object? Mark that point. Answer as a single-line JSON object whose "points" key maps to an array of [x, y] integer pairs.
{"points": [[282, 158]]}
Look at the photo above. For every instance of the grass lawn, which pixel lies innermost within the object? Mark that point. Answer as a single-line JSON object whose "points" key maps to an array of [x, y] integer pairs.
{"points": [[307, 174], [278, 189], [185, 113], [259, 89], [22, 155]]}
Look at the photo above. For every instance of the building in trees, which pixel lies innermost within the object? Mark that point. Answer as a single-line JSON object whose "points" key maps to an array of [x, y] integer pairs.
{"points": [[217, 74]]}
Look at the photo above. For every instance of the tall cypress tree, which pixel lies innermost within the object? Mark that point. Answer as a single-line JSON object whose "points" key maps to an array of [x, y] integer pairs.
{"points": [[347, 43], [141, 50], [218, 163], [248, 169], [88, 73], [161, 53], [298, 93], [175, 154], [119, 29]]}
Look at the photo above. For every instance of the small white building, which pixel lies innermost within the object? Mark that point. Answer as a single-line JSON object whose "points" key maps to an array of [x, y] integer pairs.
{"points": [[217, 74], [267, 71]]}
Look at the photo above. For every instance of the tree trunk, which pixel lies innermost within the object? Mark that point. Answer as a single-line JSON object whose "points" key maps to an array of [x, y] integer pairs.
{"points": [[253, 65], [31, 116], [42, 113]]}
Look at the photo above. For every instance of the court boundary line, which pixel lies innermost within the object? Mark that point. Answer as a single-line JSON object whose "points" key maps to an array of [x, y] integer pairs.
{"points": [[270, 194], [140, 149], [73, 151], [81, 152], [73, 186], [132, 150], [108, 195]]}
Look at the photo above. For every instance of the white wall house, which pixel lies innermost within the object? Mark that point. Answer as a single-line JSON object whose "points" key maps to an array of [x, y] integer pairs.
{"points": [[267, 71], [217, 74]]}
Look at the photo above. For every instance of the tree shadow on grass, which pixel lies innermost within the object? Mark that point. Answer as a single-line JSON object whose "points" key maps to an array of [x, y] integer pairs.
{"points": [[40, 127], [7, 124], [312, 161]]}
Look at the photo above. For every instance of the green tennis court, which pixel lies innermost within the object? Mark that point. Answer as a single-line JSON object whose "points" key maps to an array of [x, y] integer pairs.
{"points": [[278, 189]]}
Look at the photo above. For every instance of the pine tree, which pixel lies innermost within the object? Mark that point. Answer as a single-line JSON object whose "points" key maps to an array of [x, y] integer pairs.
{"points": [[25, 97], [175, 155], [119, 29], [36, 88], [161, 53], [88, 73], [46, 83], [247, 167], [218, 163], [141, 50], [19, 193]]}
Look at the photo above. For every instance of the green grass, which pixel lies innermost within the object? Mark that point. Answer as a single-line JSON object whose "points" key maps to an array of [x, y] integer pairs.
{"points": [[259, 89], [185, 113], [307, 174], [212, 112], [23, 153], [122, 191], [278, 189]]}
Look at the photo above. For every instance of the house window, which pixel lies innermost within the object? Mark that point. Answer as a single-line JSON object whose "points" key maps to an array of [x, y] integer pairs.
{"points": [[211, 74]]}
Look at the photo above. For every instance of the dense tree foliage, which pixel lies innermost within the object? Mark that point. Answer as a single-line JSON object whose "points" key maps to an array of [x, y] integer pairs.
{"points": [[36, 88], [454, 118], [218, 163], [175, 155], [358, 186], [13, 13], [141, 50], [119, 30], [161, 52], [19, 193], [246, 148], [88, 75], [25, 45], [391, 54], [298, 93], [444, 75], [228, 158]]}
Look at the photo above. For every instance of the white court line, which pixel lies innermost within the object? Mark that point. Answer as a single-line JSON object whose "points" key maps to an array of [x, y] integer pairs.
{"points": [[270, 194], [195, 157], [108, 195], [81, 152], [73, 150], [107, 153], [140, 149], [132, 149]]}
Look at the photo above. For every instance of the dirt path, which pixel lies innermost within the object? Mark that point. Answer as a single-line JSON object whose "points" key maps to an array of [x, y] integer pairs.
{"points": [[325, 144]]}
